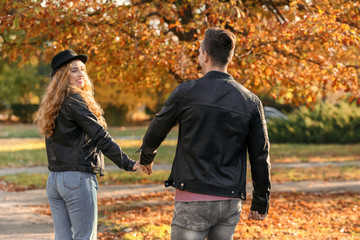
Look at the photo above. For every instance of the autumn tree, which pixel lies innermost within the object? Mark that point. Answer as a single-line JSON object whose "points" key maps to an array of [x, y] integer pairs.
{"points": [[295, 50]]}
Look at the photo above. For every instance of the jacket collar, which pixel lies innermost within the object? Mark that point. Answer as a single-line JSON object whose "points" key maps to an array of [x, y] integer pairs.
{"points": [[218, 75]]}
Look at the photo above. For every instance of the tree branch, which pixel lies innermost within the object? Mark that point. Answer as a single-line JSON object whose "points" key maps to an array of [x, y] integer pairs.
{"points": [[272, 7], [177, 76]]}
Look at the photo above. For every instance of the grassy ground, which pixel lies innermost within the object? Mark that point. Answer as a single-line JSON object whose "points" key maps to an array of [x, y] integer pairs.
{"points": [[18, 131], [30, 131], [27, 152], [279, 152], [314, 152], [291, 215], [22, 152]]}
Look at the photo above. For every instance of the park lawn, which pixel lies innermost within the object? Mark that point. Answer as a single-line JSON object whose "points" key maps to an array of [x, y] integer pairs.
{"points": [[18, 131], [19, 137], [24, 181], [25, 152], [289, 153], [30, 131], [31, 152], [291, 216]]}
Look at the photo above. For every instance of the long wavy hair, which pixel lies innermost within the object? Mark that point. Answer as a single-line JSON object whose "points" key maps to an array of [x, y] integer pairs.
{"points": [[58, 89]]}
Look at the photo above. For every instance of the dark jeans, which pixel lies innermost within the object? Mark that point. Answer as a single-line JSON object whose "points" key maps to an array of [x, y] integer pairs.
{"points": [[215, 220]]}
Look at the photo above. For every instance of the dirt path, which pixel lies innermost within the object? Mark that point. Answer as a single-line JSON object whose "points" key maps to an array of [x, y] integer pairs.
{"points": [[112, 167], [19, 219]]}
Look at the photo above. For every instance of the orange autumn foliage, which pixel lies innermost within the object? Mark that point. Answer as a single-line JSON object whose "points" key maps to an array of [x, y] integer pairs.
{"points": [[291, 216], [295, 50]]}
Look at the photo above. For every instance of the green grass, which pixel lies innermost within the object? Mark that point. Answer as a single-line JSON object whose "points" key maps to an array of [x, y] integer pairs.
{"points": [[23, 181], [327, 173], [165, 154], [314, 152], [23, 158], [18, 131], [279, 153], [30, 131], [37, 157]]}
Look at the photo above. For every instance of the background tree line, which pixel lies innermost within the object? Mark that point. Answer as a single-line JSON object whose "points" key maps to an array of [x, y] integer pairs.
{"points": [[296, 51]]}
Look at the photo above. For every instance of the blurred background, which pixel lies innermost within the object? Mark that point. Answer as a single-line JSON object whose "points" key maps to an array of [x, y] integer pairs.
{"points": [[300, 56]]}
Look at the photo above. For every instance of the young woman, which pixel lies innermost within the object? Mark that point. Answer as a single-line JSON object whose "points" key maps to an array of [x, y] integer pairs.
{"points": [[76, 140]]}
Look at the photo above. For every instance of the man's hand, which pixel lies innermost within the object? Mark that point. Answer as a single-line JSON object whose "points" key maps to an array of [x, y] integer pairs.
{"points": [[255, 215], [147, 168]]}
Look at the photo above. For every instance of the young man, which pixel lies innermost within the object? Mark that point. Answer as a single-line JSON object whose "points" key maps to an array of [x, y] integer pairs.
{"points": [[219, 120]]}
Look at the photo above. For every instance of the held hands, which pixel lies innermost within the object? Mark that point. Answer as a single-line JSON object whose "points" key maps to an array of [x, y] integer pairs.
{"points": [[137, 165], [255, 215], [147, 169]]}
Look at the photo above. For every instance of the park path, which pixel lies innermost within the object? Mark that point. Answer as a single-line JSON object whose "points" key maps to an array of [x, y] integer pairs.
{"points": [[113, 168], [18, 219]]}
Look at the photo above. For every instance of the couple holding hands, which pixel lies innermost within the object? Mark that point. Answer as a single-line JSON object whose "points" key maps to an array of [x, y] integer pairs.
{"points": [[219, 122]]}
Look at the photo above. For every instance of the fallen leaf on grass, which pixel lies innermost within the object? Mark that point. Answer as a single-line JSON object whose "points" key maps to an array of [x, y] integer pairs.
{"points": [[291, 216]]}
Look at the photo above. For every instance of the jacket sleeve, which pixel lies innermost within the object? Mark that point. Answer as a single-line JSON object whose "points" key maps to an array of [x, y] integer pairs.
{"points": [[258, 147], [100, 137], [160, 126]]}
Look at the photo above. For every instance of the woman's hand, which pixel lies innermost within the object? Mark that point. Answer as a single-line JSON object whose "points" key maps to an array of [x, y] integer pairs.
{"points": [[147, 169], [137, 165]]}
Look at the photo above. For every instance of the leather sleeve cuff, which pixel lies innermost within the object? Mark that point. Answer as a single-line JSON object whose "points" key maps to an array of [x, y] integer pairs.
{"points": [[260, 204], [147, 155]]}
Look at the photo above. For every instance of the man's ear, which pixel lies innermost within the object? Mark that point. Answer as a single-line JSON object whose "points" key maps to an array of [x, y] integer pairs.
{"points": [[206, 56]]}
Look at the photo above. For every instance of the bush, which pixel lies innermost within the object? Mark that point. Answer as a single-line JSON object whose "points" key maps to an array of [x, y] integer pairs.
{"points": [[115, 115], [25, 112], [326, 123]]}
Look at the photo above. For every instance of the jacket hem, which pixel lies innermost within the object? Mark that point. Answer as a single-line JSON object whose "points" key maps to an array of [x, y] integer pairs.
{"points": [[99, 171], [204, 188]]}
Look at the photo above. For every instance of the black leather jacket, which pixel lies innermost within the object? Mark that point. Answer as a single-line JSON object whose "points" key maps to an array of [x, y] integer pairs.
{"points": [[219, 120], [79, 141]]}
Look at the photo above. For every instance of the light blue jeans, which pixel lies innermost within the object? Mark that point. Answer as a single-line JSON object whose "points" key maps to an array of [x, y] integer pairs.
{"points": [[215, 220], [73, 202]]}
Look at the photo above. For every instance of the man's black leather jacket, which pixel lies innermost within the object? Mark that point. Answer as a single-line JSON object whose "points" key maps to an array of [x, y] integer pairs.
{"points": [[219, 120], [79, 141]]}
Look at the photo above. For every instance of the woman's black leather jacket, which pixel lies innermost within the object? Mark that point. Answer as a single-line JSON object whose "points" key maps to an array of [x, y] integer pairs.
{"points": [[79, 141]]}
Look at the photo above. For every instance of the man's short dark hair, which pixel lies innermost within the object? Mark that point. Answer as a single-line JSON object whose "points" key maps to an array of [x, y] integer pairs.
{"points": [[219, 44]]}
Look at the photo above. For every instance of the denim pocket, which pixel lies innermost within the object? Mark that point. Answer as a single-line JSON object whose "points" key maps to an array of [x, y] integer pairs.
{"points": [[234, 211], [192, 215], [72, 180]]}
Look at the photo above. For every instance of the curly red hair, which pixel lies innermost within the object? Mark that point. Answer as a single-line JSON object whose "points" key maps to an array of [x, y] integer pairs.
{"points": [[58, 89]]}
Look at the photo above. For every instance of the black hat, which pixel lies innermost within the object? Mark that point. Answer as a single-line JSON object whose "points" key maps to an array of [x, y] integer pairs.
{"points": [[65, 57]]}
